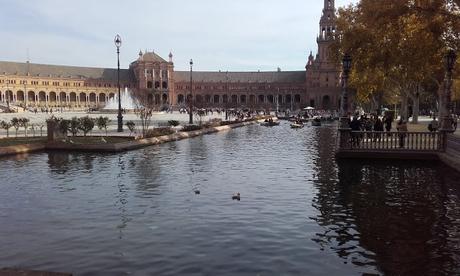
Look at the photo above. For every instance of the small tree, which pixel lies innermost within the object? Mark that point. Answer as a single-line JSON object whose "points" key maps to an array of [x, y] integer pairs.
{"points": [[32, 127], [16, 124], [131, 126], [86, 124], [74, 126], [144, 107], [6, 126], [64, 126], [24, 122], [102, 123], [41, 126]]}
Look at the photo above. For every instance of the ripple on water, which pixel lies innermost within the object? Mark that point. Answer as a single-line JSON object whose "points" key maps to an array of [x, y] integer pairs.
{"points": [[300, 213]]}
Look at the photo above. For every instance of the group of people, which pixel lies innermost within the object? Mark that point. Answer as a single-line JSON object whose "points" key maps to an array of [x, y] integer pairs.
{"points": [[374, 123]]}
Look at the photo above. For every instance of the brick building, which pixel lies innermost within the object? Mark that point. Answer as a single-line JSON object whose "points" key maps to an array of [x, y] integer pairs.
{"points": [[28, 84]]}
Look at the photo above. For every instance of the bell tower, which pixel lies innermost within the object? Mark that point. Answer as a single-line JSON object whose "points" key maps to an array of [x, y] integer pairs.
{"points": [[327, 28]]}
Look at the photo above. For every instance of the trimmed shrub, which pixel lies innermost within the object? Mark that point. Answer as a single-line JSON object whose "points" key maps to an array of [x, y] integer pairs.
{"points": [[173, 123], [159, 131], [191, 128]]}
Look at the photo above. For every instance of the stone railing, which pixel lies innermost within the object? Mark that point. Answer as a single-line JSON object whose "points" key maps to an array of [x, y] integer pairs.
{"points": [[391, 141]]}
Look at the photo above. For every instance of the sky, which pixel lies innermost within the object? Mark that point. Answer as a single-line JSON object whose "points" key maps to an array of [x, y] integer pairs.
{"points": [[233, 35]]}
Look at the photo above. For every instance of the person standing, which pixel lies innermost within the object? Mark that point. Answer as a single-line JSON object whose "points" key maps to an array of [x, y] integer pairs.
{"points": [[402, 129], [388, 120]]}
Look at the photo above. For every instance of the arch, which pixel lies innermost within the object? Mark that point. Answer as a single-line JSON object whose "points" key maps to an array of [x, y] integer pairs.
{"points": [[312, 103], [62, 97], [82, 98], [165, 85], [326, 102], [270, 99], [216, 99], [199, 99], [149, 84], [41, 96], [20, 97], [252, 99], [164, 98], [280, 99], [9, 96], [225, 98], [207, 99], [180, 99], [157, 84], [150, 99], [112, 96], [31, 96], [52, 97], [243, 99], [73, 97], [288, 99], [102, 98], [261, 99], [157, 99], [234, 99], [92, 97], [297, 98]]}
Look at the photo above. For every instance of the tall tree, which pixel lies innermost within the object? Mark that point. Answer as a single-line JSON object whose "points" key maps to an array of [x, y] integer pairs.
{"points": [[397, 46]]}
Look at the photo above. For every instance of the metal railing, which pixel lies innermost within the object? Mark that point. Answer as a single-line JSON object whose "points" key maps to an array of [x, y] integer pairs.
{"points": [[391, 141]]}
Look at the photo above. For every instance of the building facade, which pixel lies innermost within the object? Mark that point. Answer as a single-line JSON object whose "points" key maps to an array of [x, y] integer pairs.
{"points": [[38, 85], [323, 75]]}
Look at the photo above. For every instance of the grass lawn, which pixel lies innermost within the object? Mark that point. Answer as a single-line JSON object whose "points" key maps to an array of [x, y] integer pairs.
{"points": [[13, 141]]}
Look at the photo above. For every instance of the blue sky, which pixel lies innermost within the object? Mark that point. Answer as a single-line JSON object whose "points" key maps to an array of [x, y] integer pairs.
{"points": [[234, 35]]}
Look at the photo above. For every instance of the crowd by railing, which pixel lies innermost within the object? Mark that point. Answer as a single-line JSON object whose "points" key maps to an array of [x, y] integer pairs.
{"points": [[386, 141]]}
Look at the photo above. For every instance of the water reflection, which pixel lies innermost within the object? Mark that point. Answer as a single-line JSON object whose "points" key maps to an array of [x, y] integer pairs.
{"points": [[301, 213], [404, 214]]}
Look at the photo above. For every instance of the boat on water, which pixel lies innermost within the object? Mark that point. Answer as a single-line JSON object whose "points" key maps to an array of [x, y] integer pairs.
{"points": [[297, 125], [270, 123]]}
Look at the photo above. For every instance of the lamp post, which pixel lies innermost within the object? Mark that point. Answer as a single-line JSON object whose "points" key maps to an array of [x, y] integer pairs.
{"points": [[120, 116], [346, 62], [191, 94], [446, 124], [227, 91]]}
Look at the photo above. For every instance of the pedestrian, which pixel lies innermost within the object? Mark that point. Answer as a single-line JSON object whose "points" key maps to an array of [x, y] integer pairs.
{"points": [[355, 126], [402, 131], [378, 127]]}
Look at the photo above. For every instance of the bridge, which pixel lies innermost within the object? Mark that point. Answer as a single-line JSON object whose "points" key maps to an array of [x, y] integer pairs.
{"points": [[400, 145]]}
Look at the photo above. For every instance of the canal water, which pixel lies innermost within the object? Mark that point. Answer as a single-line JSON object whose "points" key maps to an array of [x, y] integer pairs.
{"points": [[301, 212]]}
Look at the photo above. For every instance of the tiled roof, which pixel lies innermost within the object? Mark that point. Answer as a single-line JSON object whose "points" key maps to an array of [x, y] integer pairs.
{"points": [[245, 77], [151, 56], [59, 71]]}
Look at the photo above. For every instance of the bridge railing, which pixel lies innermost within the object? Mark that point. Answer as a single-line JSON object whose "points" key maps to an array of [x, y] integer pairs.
{"points": [[391, 141]]}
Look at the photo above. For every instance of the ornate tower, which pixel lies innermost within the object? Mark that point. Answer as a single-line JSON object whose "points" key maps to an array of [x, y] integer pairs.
{"points": [[322, 80], [327, 27]]}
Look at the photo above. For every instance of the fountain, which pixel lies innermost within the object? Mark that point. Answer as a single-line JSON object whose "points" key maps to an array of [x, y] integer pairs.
{"points": [[127, 102]]}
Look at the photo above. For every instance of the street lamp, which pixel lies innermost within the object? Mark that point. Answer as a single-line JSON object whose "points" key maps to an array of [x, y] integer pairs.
{"points": [[346, 62], [450, 59], [191, 94], [120, 116]]}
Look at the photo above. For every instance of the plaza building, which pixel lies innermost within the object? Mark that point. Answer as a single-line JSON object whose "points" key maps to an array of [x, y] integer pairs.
{"points": [[38, 85], [323, 75]]}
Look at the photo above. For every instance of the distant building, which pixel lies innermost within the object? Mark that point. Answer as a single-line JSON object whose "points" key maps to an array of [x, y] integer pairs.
{"points": [[38, 85], [323, 75]]}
